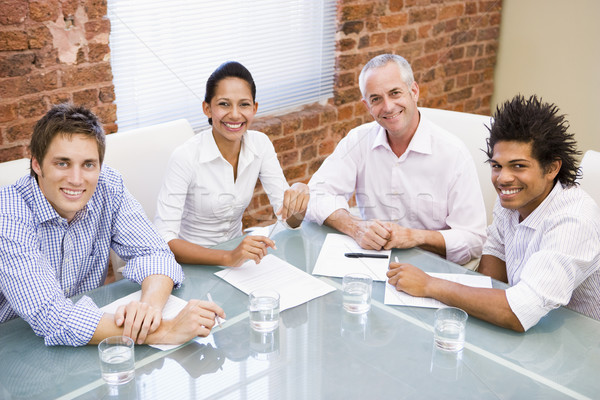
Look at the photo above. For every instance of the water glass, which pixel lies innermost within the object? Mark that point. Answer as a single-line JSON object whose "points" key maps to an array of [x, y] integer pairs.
{"points": [[117, 361], [264, 310], [264, 346], [357, 293], [449, 328]]}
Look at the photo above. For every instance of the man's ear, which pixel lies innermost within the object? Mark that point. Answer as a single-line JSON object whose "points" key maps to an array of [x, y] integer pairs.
{"points": [[553, 168], [35, 165]]}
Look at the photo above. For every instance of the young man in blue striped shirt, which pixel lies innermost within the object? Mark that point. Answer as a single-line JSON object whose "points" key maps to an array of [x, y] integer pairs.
{"points": [[56, 229], [545, 238]]}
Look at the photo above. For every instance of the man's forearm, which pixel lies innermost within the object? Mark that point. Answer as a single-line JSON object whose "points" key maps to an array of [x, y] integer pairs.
{"points": [[342, 221], [487, 304], [432, 241], [156, 290]]}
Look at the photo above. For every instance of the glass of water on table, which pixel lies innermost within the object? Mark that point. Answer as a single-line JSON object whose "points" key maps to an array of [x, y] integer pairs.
{"points": [[357, 293], [263, 308], [117, 361], [449, 329]]}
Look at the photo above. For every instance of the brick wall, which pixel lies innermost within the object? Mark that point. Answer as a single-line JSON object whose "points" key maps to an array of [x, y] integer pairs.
{"points": [[451, 45], [51, 52]]}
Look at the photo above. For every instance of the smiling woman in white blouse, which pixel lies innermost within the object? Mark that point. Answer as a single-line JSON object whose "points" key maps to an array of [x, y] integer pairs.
{"points": [[210, 179]]}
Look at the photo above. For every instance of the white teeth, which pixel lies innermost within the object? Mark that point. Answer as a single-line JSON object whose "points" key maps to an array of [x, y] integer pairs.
{"points": [[233, 126], [392, 116], [512, 191], [72, 192]]}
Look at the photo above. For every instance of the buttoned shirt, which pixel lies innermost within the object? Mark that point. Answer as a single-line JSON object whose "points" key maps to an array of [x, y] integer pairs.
{"points": [[201, 202], [552, 257], [433, 185], [45, 260]]}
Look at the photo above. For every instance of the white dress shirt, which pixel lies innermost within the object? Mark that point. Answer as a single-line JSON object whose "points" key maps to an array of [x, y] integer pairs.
{"points": [[433, 185], [201, 203], [552, 257]]}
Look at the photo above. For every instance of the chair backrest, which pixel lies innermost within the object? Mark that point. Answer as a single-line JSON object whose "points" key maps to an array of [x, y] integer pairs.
{"points": [[10, 171], [472, 130], [141, 156], [590, 178]]}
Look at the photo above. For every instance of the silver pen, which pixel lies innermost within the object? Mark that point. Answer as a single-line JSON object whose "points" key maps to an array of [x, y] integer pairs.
{"points": [[217, 318]]}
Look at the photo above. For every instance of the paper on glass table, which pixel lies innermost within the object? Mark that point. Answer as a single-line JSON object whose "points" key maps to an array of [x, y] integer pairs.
{"points": [[173, 306], [394, 297], [295, 287], [333, 262]]}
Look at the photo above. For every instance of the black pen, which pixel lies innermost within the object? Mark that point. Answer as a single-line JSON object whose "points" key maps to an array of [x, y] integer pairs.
{"points": [[364, 255]]}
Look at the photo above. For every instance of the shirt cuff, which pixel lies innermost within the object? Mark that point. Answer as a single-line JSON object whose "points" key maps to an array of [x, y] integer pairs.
{"points": [[139, 268], [526, 304], [321, 206], [459, 250], [80, 325]]}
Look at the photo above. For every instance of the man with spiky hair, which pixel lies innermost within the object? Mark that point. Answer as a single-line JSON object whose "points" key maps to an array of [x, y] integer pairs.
{"points": [[545, 238]]}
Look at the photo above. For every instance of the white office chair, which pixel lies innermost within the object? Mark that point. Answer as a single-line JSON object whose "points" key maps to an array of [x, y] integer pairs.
{"points": [[10, 171], [590, 179], [472, 130], [141, 156]]}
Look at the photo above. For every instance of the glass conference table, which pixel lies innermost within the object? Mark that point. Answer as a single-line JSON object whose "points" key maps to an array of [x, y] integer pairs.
{"points": [[319, 351]]}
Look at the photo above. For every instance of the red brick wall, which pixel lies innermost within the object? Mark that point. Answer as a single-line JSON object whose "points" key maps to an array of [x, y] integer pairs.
{"points": [[451, 45], [51, 52]]}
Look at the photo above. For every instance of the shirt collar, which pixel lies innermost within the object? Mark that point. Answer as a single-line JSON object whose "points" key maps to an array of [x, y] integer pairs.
{"points": [[209, 150], [535, 219], [44, 210], [420, 142], [248, 152], [42, 207]]}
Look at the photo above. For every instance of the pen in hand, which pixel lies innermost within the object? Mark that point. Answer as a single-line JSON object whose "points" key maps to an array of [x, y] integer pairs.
{"points": [[217, 318]]}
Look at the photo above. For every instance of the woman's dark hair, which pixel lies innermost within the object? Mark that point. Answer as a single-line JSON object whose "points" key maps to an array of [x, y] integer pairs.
{"points": [[65, 119], [229, 69], [533, 121]]}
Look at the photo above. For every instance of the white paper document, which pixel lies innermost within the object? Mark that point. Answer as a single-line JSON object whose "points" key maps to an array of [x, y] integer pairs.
{"points": [[173, 306], [396, 298], [294, 286], [333, 262]]}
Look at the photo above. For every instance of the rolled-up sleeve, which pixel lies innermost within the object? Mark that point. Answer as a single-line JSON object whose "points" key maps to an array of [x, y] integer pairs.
{"points": [[466, 216], [564, 260]]}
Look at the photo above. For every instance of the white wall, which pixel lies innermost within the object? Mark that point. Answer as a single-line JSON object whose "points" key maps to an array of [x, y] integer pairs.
{"points": [[552, 48]]}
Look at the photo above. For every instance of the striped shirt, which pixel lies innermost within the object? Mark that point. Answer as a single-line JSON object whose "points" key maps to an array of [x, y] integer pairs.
{"points": [[552, 257], [44, 260]]}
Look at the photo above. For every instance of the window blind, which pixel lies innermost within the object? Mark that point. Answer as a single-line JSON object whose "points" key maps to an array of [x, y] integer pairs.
{"points": [[162, 53]]}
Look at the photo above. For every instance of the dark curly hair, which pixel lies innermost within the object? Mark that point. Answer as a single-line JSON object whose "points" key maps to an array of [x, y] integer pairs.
{"points": [[533, 121]]}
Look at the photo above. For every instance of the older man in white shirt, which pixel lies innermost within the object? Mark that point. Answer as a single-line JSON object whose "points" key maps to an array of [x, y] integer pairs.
{"points": [[415, 183]]}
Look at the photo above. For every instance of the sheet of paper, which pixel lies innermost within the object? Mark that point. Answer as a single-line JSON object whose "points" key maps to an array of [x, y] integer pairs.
{"points": [[396, 298], [295, 287], [333, 262], [173, 306]]}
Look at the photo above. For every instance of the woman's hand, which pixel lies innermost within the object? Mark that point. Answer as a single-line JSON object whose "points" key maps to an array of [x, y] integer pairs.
{"points": [[251, 248], [295, 202]]}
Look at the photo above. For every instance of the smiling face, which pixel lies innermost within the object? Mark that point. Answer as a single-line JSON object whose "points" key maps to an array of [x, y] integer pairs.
{"points": [[391, 102], [521, 182], [231, 109], [69, 173]]}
